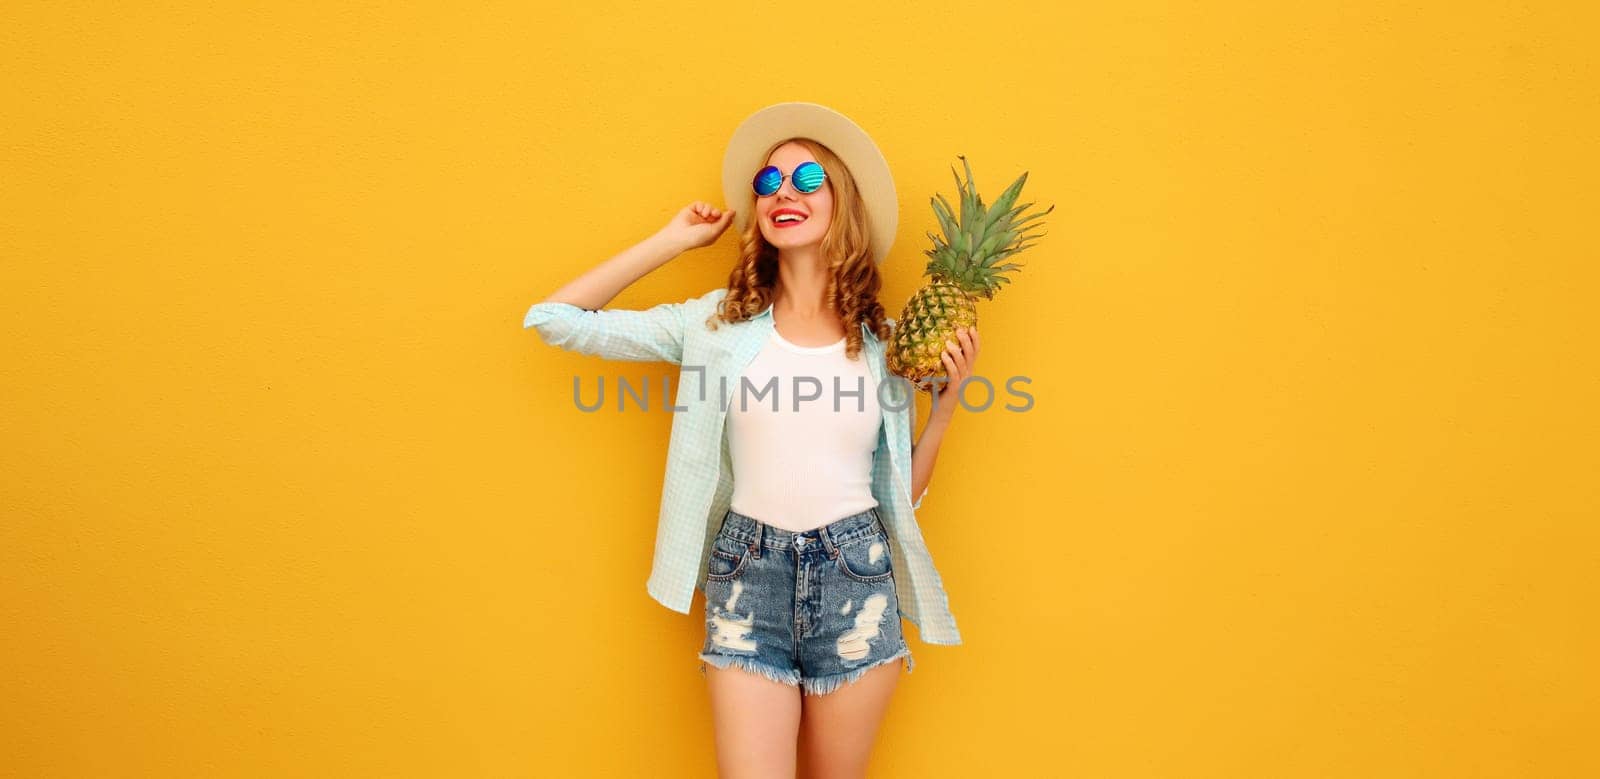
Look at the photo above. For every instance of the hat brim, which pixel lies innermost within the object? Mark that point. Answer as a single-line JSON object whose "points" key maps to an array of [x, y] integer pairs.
{"points": [[832, 129]]}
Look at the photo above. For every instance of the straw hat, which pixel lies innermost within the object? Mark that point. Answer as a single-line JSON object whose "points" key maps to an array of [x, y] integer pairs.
{"points": [[744, 156]]}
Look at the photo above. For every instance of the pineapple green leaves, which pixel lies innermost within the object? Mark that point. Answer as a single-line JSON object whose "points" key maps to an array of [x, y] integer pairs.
{"points": [[980, 236]]}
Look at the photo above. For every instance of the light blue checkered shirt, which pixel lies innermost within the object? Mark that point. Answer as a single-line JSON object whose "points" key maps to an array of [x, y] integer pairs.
{"points": [[698, 487]]}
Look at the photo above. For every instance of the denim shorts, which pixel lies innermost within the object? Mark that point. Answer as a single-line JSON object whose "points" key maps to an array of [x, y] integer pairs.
{"points": [[814, 610]]}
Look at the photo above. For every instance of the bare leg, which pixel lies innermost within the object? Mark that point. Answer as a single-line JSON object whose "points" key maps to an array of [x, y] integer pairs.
{"points": [[756, 721], [837, 730]]}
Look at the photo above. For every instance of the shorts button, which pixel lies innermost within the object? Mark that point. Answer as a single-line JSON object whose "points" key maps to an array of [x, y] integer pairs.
{"points": [[800, 541]]}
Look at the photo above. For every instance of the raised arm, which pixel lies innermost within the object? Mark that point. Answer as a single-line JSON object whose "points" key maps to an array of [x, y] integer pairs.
{"points": [[698, 224], [572, 317]]}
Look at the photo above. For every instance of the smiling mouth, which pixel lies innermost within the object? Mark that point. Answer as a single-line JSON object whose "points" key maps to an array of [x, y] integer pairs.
{"points": [[788, 220]]}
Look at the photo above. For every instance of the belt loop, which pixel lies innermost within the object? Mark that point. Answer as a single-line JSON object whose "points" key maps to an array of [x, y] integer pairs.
{"points": [[827, 540], [756, 548]]}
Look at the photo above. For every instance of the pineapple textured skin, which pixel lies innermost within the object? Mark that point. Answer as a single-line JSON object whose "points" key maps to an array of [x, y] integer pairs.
{"points": [[930, 318]]}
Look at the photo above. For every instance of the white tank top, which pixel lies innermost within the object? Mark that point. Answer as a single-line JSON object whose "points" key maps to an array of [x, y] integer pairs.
{"points": [[801, 469]]}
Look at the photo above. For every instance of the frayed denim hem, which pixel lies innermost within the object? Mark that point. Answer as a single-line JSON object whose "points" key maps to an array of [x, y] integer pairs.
{"points": [[822, 685], [785, 676]]}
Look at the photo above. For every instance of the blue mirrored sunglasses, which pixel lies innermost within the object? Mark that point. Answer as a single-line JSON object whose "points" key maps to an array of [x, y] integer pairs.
{"points": [[807, 177]]}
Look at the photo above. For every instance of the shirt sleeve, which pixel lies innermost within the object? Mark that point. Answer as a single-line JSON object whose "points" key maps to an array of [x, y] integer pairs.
{"points": [[653, 334]]}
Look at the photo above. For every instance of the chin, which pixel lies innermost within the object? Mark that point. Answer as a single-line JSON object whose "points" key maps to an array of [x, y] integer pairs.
{"points": [[784, 239]]}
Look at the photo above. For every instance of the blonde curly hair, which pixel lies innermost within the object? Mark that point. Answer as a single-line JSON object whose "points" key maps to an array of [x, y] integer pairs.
{"points": [[853, 279]]}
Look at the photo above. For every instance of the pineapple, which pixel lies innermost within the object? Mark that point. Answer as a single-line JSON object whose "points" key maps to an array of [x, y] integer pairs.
{"points": [[962, 269]]}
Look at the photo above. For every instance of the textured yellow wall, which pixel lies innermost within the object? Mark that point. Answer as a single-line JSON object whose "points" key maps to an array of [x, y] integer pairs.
{"points": [[1308, 489]]}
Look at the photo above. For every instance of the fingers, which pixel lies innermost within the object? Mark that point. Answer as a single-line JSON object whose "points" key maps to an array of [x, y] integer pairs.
{"points": [[959, 356], [952, 347], [708, 213], [952, 372], [968, 338], [961, 348]]}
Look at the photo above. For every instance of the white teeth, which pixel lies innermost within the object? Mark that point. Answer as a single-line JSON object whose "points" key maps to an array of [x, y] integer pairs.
{"points": [[789, 218]]}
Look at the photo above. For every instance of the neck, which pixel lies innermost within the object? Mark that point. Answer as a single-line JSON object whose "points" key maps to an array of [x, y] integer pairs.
{"points": [[802, 282]]}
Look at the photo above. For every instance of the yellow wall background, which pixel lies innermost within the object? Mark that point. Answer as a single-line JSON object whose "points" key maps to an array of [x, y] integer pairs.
{"points": [[1309, 489]]}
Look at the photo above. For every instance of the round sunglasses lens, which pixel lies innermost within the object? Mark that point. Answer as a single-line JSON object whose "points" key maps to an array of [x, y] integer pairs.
{"points": [[767, 180], [808, 177]]}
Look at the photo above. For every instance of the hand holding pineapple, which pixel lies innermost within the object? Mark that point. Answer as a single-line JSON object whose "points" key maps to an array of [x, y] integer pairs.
{"points": [[960, 358], [963, 267]]}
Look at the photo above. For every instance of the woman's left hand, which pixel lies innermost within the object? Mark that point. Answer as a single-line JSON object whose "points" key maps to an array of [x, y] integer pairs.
{"points": [[960, 358]]}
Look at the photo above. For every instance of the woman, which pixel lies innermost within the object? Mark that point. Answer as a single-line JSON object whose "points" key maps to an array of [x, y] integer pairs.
{"points": [[789, 502]]}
